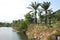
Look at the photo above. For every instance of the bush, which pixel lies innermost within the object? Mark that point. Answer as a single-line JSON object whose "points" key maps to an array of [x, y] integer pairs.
{"points": [[22, 26], [19, 25]]}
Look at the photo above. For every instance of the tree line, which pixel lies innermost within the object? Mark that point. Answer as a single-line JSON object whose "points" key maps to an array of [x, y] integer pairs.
{"points": [[45, 16], [3, 24]]}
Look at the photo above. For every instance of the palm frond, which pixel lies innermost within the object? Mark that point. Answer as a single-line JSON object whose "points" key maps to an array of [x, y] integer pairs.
{"points": [[29, 7], [45, 5], [30, 11], [35, 5]]}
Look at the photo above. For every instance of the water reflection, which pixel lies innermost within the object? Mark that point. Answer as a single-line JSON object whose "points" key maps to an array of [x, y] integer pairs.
{"points": [[6, 33], [23, 36]]}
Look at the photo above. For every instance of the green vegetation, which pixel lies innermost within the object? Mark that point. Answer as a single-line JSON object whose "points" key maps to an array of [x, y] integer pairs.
{"points": [[29, 18], [34, 7], [45, 6], [42, 27], [5, 24], [34, 27], [19, 25]]}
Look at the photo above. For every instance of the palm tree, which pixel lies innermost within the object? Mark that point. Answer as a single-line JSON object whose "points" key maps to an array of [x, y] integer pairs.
{"points": [[34, 6], [45, 6]]}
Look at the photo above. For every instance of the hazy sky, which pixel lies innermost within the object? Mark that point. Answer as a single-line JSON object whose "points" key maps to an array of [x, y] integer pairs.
{"points": [[16, 9]]}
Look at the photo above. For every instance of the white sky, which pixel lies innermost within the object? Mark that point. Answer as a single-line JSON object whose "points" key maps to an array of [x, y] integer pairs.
{"points": [[11, 10], [16, 9]]}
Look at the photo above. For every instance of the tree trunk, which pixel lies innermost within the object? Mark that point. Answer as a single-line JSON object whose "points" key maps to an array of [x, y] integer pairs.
{"points": [[46, 17], [35, 19], [50, 20], [40, 18]]}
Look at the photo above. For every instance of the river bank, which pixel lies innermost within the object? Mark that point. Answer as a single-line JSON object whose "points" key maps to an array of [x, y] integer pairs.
{"points": [[40, 32]]}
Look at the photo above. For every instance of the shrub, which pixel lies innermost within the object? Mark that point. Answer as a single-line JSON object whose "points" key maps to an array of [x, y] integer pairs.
{"points": [[22, 26]]}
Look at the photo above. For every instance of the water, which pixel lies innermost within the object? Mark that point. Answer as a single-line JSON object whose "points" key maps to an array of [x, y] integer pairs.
{"points": [[7, 33]]}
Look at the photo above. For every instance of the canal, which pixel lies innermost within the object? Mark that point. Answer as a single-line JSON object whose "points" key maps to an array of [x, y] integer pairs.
{"points": [[7, 33]]}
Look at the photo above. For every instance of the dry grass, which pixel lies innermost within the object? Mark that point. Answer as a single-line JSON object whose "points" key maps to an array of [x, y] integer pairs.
{"points": [[41, 32]]}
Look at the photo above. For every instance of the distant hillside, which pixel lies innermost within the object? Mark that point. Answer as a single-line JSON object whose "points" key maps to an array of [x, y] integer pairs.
{"points": [[57, 12], [57, 15]]}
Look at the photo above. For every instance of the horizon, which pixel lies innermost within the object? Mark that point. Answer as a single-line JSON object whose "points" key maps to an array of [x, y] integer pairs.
{"points": [[16, 9]]}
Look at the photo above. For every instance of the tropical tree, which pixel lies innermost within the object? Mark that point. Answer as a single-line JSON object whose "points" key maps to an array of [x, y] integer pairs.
{"points": [[45, 6], [29, 18], [34, 6]]}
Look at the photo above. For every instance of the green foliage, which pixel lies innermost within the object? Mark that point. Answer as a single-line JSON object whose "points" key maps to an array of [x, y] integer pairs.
{"points": [[34, 6], [5, 24], [45, 6], [19, 25], [57, 15], [28, 18], [23, 26], [41, 18]]}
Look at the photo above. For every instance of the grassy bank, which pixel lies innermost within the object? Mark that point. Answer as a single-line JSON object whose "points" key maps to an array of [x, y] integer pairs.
{"points": [[42, 32]]}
